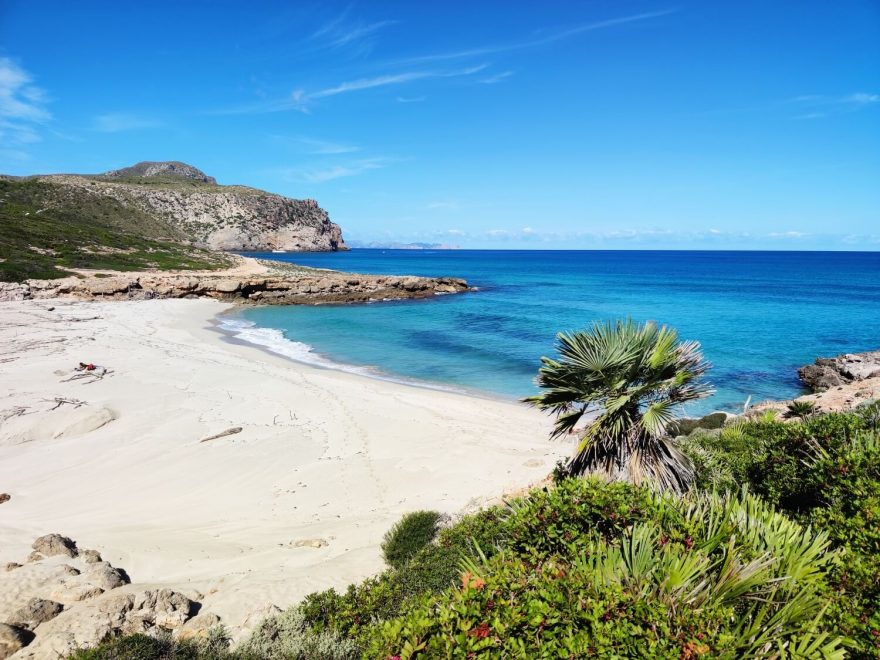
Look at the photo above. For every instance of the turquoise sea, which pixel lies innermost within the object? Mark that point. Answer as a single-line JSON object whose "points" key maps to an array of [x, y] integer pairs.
{"points": [[758, 315]]}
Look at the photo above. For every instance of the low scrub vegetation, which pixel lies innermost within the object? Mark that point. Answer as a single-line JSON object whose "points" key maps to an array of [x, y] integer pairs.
{"points": [[46, 229], [414, 531]]}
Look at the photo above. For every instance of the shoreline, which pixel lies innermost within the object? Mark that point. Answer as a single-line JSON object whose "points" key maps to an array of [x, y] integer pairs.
{"points": [[328, 363], [248, 281], [297, 501]]}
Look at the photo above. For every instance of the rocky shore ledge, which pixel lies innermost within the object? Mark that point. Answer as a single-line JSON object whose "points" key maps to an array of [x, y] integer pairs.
{"points": [[826, 373], [250, 281], [837, 384]]}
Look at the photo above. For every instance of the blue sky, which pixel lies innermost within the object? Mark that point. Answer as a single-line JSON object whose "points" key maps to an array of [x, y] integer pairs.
{"points": [[606, 124]]}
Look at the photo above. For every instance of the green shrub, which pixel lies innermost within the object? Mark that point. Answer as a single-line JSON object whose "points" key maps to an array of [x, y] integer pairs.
{"points": [[802, 409], [409, 535], [849, 483], [552, 520], [287, 636], [825, 472], [431, 570], [144, 647], [745, 582], [769, 455]]}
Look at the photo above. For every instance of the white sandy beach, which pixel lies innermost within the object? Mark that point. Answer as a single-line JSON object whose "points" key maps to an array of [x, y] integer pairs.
{"points": [[323, 455]]}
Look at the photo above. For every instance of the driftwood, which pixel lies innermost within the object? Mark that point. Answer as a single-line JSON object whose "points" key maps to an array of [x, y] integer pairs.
{"points": [[230, 431], [91, 376], [60, 401]]}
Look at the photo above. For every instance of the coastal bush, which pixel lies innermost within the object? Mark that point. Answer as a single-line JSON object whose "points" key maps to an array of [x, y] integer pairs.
{"points": [[409, 535], [635, 375], [146, 647], [431, 570], [802, 409], [578, 511], [769, 456], [849, 482], [824, 472], [288, 636], [744, 581]]}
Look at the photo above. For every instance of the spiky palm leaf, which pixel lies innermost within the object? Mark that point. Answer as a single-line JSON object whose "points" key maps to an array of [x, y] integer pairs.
{"points": [[632, 377]]}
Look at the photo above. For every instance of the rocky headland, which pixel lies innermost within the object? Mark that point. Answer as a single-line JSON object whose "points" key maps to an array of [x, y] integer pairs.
{"points": [[210, 215], [249, 281]]}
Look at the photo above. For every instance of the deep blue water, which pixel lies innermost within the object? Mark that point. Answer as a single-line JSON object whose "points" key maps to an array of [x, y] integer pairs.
{"points": [[758, 315]]}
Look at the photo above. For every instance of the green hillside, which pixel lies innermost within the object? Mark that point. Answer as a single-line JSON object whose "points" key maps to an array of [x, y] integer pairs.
{"points": [[46, 228]]}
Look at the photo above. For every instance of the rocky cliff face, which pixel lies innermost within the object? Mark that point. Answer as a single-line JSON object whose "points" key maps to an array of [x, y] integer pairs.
{"points": [[210, 215]]}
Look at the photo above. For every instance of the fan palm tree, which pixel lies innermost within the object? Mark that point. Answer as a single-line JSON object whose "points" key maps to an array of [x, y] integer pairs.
{"points": [[802, 409], [630, 377]]}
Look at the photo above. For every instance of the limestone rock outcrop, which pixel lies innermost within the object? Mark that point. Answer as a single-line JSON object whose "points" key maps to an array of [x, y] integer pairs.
{"points": [[56, 608], [826, 373], [273, 287]]}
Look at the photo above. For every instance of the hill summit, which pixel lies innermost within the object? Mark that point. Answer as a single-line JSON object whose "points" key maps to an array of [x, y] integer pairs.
{"points": [[146, 169]]}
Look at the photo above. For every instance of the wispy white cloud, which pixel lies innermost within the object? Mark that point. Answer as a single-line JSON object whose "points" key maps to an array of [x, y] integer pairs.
{"points": [[334, 24], [345, 32], [327, 172], [357, 32], [119, 122], [825, 105], [315, 146], [392, 79], [861, 98], [22, 105], [497, 78], [539, 40], [410, 99], [300, 99], [638, 235], [787, 234]]}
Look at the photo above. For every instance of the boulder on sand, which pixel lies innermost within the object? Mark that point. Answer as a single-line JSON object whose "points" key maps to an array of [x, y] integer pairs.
{"points": [[51, 545], [35, 612]]}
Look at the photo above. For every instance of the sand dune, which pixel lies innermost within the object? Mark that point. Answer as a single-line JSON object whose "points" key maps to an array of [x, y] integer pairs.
{"points": [[298, 500]]}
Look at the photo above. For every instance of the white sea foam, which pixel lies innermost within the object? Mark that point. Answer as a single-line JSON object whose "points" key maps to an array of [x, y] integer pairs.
{"points": [[274, 341]]}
